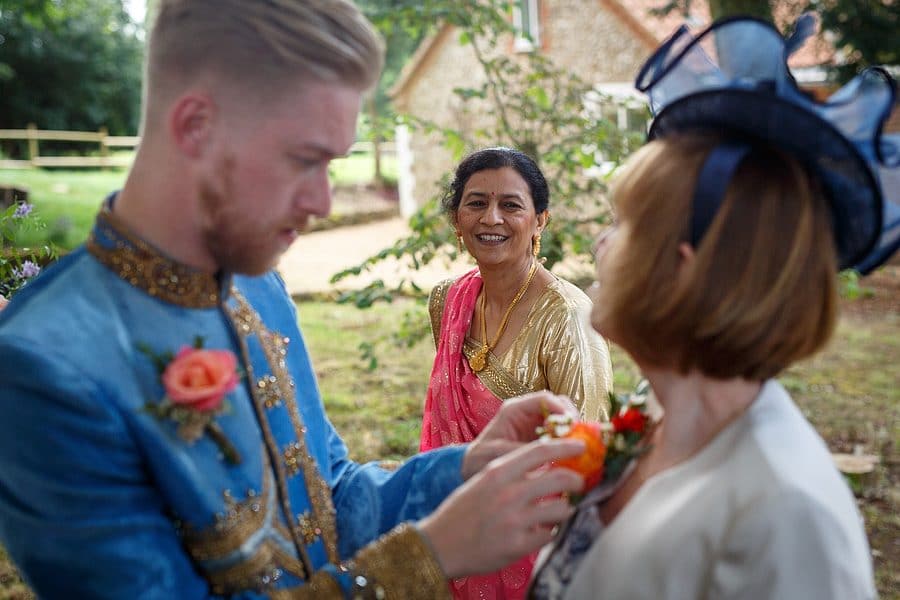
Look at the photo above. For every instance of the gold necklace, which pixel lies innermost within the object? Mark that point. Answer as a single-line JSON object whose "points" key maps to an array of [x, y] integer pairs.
{"points": [[478, 360]]}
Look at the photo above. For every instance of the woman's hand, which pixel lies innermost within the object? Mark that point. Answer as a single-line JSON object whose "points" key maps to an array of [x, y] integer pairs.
{"points": [[505, 511], [3, 302], [512, 427]]}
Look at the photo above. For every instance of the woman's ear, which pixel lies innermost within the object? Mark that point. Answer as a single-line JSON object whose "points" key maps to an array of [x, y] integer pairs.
{"points": [[687, 256], [542, 220]]}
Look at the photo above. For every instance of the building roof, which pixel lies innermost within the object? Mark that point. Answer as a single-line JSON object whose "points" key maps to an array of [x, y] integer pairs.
{"points": [[650, 29]]}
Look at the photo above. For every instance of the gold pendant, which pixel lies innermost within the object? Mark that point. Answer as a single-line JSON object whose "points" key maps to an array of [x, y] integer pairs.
{"points": [[477, 360]]}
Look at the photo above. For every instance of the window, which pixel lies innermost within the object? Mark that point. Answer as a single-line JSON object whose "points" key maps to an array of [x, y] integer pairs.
{"points": [[526, 20]]}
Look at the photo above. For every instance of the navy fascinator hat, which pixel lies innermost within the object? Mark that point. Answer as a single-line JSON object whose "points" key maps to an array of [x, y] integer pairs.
{"points": [[733, 79]]}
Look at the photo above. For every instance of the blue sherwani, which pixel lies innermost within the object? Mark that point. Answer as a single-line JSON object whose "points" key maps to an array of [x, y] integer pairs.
{"points": [[101, 497]]}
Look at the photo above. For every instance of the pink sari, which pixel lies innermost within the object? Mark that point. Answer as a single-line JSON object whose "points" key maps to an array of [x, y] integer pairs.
{"points": [[457, 408]]}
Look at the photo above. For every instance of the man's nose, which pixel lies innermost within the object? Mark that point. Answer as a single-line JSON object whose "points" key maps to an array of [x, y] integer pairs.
{"points": [[316, 199]]}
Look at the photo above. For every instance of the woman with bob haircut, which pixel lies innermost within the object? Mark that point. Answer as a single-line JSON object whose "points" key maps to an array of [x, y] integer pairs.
{"points": [[719, 273]]}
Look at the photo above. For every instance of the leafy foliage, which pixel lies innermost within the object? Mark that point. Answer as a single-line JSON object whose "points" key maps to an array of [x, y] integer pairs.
{"points": [[69, 65], [18, 265], [865, 31]]}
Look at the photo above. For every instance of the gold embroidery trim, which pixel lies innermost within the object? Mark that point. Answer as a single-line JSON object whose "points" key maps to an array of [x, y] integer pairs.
{"points": [[232, 527], [247, 322], [307, 528], [436, 302], [320, 587], [144, 267], [494, 377], [269, 391], [274, 348], [291, 456], [260, 572], [403, 565]]}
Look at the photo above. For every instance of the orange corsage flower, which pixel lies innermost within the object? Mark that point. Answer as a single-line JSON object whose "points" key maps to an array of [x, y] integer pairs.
{"points": [[196, 382], [588, 464], [199, 379], [609, 447]]}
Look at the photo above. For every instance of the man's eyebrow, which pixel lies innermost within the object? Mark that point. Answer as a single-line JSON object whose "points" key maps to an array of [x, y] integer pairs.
{"points": [[321, 151]]}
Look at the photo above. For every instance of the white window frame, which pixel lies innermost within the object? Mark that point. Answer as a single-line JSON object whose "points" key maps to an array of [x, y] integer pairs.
{"points": [[531, 30]]}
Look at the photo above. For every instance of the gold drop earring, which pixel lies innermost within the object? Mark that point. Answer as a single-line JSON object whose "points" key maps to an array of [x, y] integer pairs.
{"points": [[459, 242], [536, 244]]}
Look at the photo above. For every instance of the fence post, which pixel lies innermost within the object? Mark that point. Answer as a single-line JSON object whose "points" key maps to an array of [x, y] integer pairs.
{"points": [[32, 143], [104, 149]]}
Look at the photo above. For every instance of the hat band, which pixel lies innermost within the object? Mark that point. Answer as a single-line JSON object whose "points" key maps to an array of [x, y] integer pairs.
{"points": [[716, 173]]}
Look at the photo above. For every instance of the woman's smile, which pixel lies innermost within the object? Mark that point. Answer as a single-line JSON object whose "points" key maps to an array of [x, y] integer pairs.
{"points": [[491, 239]]}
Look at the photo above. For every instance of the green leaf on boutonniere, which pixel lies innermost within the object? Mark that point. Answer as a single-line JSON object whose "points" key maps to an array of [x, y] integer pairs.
{"points": [[160, 361]]}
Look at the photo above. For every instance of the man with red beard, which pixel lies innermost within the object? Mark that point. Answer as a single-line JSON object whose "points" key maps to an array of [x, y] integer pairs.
{"points": [[161, 432]]}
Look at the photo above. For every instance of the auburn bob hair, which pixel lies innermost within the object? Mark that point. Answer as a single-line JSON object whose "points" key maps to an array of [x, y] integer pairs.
{"points": [[760, 291]]}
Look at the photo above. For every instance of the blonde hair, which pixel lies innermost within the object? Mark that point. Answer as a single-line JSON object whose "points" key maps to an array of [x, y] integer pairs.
{"points": [[761, 291], [260, 45]]}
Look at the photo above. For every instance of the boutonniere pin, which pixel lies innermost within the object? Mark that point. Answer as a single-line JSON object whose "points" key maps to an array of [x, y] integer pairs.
{"points": [[609, 447], [196, 381]]}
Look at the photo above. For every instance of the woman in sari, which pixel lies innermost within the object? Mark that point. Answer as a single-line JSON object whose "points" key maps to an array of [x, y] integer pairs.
{"points": [[507, 327]]}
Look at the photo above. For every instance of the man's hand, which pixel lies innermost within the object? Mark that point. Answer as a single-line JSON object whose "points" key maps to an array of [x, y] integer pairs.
{"points": [[505, 511], [512, 427]]}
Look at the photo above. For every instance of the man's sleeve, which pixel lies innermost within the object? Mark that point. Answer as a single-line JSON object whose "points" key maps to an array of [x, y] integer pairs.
{"points": [[371, 500], [78, 514]]}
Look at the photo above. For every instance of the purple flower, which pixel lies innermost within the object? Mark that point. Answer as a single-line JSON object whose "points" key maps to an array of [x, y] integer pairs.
{"points": [[27, 270], [23, 210]]}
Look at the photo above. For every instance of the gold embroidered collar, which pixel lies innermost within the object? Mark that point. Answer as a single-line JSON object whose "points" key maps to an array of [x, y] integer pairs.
{"points": [[145, 267]]}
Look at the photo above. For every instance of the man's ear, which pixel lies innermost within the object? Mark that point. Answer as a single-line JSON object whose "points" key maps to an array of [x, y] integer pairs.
{"points": [[191, 121]]}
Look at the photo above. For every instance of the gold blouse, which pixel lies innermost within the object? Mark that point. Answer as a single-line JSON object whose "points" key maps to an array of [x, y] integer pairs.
{"points": [[556, 350]]}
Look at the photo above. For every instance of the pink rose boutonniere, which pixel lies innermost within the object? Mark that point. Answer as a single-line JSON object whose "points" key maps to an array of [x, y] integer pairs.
{"points": [[196, 381]]}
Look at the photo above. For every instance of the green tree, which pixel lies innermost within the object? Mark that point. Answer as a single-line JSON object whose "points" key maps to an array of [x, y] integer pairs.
{"points": [[401, 40], [867, 32], [73, 64]]}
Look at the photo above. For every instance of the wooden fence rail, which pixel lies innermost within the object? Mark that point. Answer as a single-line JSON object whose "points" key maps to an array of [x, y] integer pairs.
{"points": [[33, 157], [33, 136]]}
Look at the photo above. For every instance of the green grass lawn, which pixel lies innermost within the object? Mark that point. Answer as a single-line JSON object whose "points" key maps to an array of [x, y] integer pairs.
{"points": [[67, 200]]}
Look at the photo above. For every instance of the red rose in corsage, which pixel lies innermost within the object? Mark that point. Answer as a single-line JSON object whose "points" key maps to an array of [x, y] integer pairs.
{"points": [[609, 447], [196, 382], [630, 420]]}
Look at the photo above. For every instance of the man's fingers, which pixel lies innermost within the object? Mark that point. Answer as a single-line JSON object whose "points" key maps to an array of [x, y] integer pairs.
{"points": [[552, 482], [513, 466], [539, 404], [548, 512]]}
